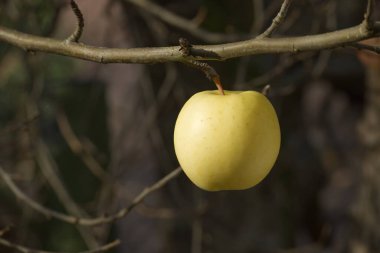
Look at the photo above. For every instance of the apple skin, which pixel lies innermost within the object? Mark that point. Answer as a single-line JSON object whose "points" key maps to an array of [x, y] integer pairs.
{"points": [[227, 142]]}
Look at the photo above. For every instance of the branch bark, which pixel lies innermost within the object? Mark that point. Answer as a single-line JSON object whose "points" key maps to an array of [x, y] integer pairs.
{"points": [[323, 41], [81, 220], [75, 36], [277, 20]]}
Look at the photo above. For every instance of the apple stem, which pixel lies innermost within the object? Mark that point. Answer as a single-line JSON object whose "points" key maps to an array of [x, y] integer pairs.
{"points": [[218, 84], [186, 50]]}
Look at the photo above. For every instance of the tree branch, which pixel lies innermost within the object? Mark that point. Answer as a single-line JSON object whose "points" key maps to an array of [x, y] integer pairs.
{"points": [[214, 52], [51, 173], [369, 10], [77, 147], [24, 249], [75, 36], [362, 46], [284, 64], [180, 22], [277, 20], [258, 14], [86, 221]]}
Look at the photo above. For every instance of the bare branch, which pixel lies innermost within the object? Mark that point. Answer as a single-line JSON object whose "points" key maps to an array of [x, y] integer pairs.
{"points": [[75, 36], [258, 13], [166, 54], [281, 67], [361, 46], [50, 170], [277, 20], [196, 237], [200, 17], [24, 249], [320, 64], [369, 10], [86, 221], [256, 25], [181, 23], [78, 148]]}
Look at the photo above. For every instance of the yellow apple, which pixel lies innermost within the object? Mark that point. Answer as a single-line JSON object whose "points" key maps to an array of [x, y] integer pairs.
{"points": [[227, 142]]}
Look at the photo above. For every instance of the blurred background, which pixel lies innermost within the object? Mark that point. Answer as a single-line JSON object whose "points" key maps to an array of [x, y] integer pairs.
{"points": [[84, 138]]}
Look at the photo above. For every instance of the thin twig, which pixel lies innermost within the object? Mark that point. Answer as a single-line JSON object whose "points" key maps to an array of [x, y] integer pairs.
{"points": [[284, 64], [50, 170], [24, 249], [181, 23], [320, 64], [200, 17], [78, 148], [197, 233], [75, 36], [369, 10], [86, 221], [151, 115], [197, 227], [277, 20], [258, 14], [361, 46], [256, 25]]}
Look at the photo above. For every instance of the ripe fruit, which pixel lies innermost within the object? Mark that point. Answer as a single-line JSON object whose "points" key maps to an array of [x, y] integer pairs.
{"points": [[227, 142]]}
